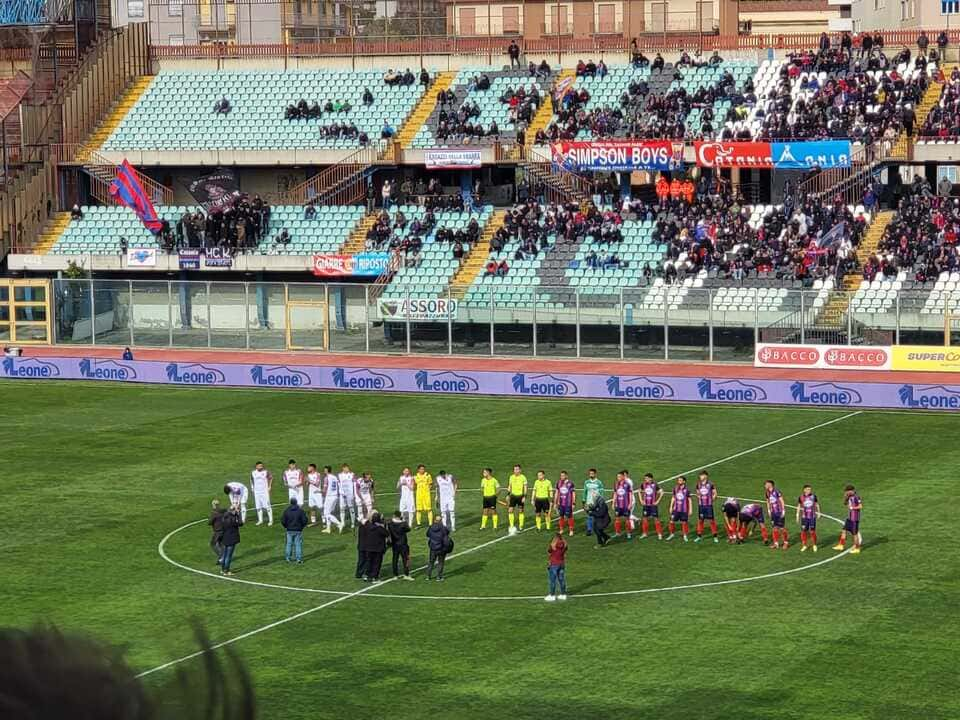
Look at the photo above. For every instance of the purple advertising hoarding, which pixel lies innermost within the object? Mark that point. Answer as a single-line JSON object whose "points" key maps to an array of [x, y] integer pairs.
{"points": [[567, 385]]}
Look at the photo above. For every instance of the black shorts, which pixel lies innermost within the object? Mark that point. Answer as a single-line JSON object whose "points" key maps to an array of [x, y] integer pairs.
{"points": [[705, 513], [489, 502], [678, 517], [808, 524], [851, 526], [541, 505], [778, 521], [515, 501], [651, 511], [565, 510], [622, 512]]}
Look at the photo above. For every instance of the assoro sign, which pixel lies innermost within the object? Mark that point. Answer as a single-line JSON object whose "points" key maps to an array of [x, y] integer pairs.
{"points": [[831, 357]]}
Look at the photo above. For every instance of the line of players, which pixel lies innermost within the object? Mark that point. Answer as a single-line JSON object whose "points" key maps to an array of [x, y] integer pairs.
{"points": [[345, 496], [345, 492]]}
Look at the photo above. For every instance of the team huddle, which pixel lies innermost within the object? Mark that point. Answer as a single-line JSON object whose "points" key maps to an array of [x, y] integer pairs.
{"points": [[337, 498]]}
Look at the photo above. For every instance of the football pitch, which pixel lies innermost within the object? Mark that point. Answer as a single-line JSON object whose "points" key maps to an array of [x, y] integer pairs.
{"points": [[105, 485]]}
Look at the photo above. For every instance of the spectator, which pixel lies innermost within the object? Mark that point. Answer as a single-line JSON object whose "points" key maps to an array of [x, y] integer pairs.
{"points": [[557, 568], [222, 106], [392, 78], [513, 50], [942, 42], [399, 529], [310, 211], [657, 65], [123, 247], [216, 526], [923, 42], [367, 96], [127, 354], [231, 523], [76, 213], [386, 192], [283, 238], [424, 77], [458, 251], [387, 131], [294, 520], [439, 544]]}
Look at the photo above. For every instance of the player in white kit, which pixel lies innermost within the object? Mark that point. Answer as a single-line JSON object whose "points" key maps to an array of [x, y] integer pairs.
{"points": [[314, 492], [261, 482], [238, 497], [331, 496], [347, 495], [408, 506], [363, 492], [293, 479], [447, 499]]}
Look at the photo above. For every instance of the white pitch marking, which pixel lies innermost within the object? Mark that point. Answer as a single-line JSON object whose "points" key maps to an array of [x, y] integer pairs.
{"points": [[365, 590]]}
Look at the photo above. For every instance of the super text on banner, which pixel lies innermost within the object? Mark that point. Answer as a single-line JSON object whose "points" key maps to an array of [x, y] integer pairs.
{"points": [[926, 358]]}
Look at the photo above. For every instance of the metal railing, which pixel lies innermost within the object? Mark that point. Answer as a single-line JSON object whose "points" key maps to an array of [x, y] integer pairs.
{"points": [[491, 319]]}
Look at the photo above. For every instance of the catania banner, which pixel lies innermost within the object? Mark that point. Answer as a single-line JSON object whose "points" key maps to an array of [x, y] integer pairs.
{"points": [[928, 359], [804, 155]]}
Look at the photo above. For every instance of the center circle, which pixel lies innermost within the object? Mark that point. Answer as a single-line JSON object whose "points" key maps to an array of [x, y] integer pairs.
{"points": [[161, 549]]}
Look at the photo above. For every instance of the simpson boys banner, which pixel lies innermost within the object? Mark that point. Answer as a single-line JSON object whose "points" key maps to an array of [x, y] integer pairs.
{"points": [[803, 155], [621, 388], [618, 155]]}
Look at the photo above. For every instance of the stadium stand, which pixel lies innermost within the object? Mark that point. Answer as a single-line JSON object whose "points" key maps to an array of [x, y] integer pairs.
{"points": [[177, 111]]}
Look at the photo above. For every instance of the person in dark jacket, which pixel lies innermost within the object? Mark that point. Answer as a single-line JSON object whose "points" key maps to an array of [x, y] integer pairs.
{"points": [[399, 530], [231, 538], [601, 521], [439, 543], [216, 525], [294, 520], [371, 547]]}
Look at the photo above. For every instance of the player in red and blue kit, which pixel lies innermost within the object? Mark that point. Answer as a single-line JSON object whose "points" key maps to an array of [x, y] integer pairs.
{"points": [[650, 495], [808, 510], [750, 514], [563, 500], [706, 493], [731, 518], [623, 504], [852, 523], [681, 505], [778, 517]]}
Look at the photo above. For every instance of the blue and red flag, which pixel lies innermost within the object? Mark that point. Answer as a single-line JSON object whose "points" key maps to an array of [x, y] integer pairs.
{"points": [[127, 190]]}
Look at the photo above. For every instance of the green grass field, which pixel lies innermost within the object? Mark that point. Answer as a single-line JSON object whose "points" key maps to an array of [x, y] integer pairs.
{"points": [[95, 476]]}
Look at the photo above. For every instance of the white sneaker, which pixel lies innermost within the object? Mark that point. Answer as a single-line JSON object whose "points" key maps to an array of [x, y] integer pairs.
{"points": [[259, 522], [550, 598], [326, 531], [561, 597], [270, 524]]}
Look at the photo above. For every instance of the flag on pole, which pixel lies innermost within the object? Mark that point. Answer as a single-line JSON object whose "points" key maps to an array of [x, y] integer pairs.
{"points": [[127, 190]]}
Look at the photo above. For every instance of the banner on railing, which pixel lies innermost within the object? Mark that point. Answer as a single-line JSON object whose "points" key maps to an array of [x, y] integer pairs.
{"points": [[360, 265], [142, 257], [617, 155], [452, 159], [828, 357], [802, 155], [926, 359], [189, 258], [418, 309], [217, 257]]}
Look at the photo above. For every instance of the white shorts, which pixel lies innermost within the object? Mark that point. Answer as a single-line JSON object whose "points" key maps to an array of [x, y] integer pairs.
{"points": [[347, 501], [315, 498], [261, 499], [447, 504], [241, 499], [329, 503], [296, 493], [366, 502], [407, 504]]}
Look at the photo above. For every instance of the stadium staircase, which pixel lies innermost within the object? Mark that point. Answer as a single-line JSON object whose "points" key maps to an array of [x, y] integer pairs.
{"points": [[103, 172], [357, 241], [113, 117], [545, 112], [51, 232], [474, 262], [834, 312], [424, 107], [929, 101], [561, 185], [553, 271], [342, 184]]}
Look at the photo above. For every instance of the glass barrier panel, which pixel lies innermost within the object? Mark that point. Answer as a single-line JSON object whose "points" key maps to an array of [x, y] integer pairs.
{"points": [[152, 312]]}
